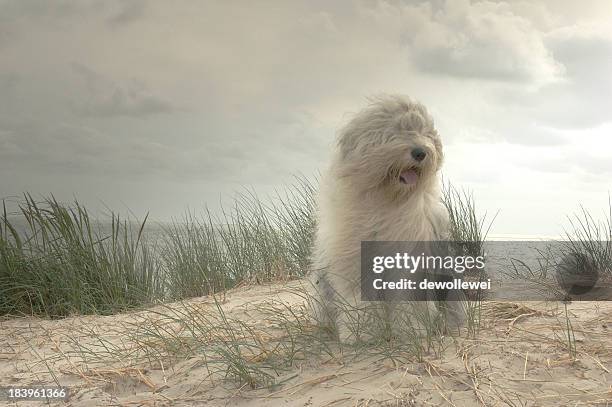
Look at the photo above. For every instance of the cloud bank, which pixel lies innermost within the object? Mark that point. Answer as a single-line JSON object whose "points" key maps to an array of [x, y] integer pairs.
{"points": [[110, 100]]}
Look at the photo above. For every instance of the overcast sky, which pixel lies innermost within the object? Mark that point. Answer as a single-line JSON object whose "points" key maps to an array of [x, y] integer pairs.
{"points": [[162, 105]]}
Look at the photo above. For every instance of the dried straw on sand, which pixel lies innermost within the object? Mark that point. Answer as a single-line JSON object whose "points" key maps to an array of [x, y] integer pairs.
{"points": [[256, 347]]}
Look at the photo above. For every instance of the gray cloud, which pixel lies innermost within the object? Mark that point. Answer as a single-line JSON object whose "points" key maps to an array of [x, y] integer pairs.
{"points": [[128, 11], [202, 97], [107, 98], [580, 99], [115, 12], [572, 162], [481, 40], [8, 83]]}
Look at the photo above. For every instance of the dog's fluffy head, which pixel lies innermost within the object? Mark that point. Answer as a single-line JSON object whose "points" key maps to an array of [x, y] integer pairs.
{"points": [[390, 147]]}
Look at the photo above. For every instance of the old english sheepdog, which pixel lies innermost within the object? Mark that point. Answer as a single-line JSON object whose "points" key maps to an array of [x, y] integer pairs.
{"points": [[382, 185]]}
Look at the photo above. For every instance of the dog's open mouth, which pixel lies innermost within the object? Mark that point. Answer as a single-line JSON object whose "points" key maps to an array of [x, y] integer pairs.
{"points": [[410, 176]]}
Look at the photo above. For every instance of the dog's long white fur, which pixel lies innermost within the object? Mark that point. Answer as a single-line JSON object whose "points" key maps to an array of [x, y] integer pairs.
{"points": [[361, 197]]}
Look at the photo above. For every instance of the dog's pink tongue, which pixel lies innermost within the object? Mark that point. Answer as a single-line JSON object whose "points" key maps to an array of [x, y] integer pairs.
{"points": [[409, 177]]}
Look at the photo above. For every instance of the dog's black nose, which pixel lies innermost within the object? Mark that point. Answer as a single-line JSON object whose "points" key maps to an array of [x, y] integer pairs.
{"points": [[418, 154]]}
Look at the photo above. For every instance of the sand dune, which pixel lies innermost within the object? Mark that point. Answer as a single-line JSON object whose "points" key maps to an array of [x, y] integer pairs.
{"points": [[520, 357]]}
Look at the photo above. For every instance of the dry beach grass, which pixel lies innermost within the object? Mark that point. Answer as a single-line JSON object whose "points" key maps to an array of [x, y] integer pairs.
{"points": [[230, 323], [256, 346]]}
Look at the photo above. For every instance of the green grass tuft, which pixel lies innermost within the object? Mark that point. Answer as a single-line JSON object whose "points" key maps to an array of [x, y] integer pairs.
{"points": [[65, 263], [61, 264]]}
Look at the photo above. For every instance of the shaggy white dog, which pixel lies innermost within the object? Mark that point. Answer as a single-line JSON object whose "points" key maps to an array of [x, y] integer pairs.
{"points": [[382, 185]]}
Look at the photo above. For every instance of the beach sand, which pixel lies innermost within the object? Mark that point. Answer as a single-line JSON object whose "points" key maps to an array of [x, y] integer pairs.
{"points": [[520, 357]]}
